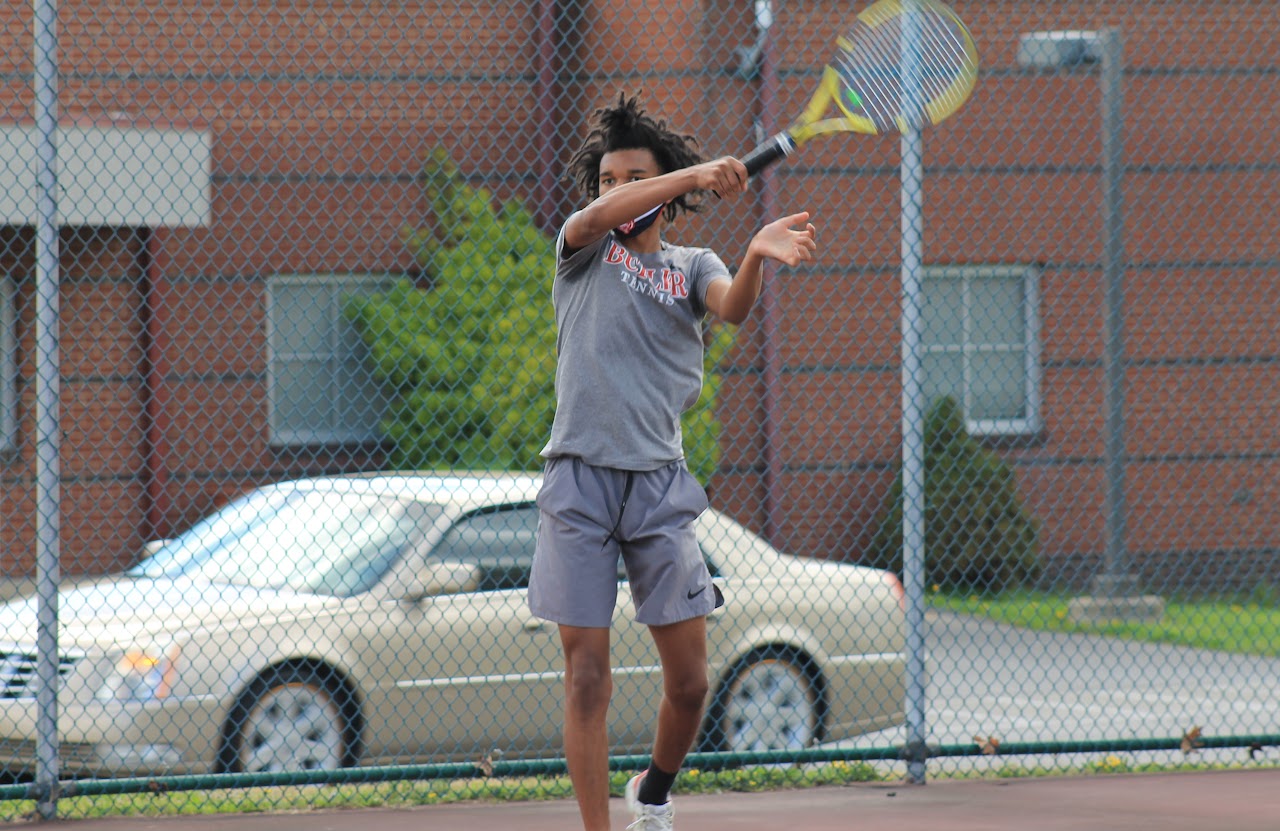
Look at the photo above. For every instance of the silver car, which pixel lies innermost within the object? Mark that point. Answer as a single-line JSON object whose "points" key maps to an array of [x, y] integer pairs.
{"points": [[381, 619]]}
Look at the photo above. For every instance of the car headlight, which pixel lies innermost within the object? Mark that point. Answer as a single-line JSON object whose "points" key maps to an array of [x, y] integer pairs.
{"points": [[142, 675]]}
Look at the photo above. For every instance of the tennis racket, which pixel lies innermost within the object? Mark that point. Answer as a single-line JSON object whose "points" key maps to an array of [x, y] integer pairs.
{"points": [[864, 88]]}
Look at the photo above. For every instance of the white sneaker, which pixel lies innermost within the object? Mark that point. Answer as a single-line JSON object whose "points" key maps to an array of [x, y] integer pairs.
{"points": [[648, 817]]}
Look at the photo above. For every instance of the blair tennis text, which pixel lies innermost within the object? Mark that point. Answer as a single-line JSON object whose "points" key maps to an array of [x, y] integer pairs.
{"points": [[662, 284]]}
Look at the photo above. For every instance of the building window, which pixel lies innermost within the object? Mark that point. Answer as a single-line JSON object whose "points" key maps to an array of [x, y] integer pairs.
{"points": [[982, 344], [321, 387], [8, 367]]}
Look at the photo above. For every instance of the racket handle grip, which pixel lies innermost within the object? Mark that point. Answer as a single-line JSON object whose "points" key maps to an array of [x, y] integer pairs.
{"points": [[778, 147]]}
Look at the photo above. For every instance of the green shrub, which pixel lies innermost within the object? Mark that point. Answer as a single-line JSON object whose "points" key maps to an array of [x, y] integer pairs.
{"points": [[469, 358], [977, 535]]}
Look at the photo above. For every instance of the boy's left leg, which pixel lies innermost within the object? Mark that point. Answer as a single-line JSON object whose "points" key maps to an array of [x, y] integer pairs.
{"points": [[682, 649], [673, 593]]}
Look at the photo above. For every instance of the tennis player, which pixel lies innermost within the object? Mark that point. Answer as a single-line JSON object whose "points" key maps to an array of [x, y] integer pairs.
{"points": [[629, 314]]}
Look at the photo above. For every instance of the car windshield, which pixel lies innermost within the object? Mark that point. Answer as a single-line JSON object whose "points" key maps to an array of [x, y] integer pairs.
{"points": [[314, 541]]}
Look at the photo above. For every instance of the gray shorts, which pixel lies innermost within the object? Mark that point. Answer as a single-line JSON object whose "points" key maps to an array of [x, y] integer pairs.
{"points": [[589, 516]]}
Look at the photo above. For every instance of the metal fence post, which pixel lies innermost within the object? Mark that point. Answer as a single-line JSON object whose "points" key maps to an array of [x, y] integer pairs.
{"points": [[1116, 576], [48, 492], [913, 540]]}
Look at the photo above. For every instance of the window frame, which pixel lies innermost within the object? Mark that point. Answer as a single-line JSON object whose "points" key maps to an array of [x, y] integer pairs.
{"points": [[279, 435], [1031, 421]]}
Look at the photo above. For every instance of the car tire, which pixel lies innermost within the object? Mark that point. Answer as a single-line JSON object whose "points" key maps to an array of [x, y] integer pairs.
{"points": [[291, 718], [770, 700]]}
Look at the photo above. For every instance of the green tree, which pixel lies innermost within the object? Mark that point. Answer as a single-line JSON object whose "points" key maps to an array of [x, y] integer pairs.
{"points": [[470, 358], [977, 535]]}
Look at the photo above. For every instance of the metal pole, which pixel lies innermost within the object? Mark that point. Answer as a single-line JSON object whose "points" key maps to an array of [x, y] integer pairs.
{"points": [[770, 309], [548, 49], [1116, 568], [47, 433], [913, 538]]}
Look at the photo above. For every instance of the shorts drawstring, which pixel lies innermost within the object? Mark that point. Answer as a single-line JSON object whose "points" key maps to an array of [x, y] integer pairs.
{"points": [[626, 494]]}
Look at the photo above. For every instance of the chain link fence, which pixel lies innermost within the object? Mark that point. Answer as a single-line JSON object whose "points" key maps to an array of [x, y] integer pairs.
{"points": [[286, 245]]}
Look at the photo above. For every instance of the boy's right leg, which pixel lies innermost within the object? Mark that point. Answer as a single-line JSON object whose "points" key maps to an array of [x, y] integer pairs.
{"points": [[588, 686]]}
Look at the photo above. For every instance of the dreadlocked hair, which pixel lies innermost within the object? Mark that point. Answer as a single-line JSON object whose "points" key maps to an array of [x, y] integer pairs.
{"points": [[626, 126]]}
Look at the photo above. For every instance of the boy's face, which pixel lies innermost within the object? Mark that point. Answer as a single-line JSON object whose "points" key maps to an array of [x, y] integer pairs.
{"points": [[622, 166]]}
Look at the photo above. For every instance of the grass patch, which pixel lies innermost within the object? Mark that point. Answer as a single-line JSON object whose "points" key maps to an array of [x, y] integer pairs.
{"points": [[770, 778], [434, 792], [1248, 626], [1111, 763]]}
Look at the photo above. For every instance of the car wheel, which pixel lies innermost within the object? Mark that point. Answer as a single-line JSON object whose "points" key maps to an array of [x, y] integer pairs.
{"points": [[290, 719], [770, 700]]}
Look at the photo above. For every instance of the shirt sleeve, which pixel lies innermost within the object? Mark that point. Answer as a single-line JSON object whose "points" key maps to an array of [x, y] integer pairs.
{"points": [[709, 267], [579, 261]]}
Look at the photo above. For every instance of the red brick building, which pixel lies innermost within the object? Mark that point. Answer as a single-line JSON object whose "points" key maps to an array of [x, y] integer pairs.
{"points": [[201, 356]]}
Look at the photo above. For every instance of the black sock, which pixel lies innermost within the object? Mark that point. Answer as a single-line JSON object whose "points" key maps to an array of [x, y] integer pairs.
{"points": [[655, 787]]}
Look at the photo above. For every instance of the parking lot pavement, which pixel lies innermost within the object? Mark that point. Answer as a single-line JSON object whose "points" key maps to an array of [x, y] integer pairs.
{"points": [[1209, 801]]}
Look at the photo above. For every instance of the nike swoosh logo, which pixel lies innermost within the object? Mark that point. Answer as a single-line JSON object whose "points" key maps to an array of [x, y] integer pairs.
{"points": [[692, 595]]}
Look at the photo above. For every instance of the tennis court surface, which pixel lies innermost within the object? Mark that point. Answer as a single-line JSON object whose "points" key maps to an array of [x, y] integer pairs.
{"points": [[1209, 801]]}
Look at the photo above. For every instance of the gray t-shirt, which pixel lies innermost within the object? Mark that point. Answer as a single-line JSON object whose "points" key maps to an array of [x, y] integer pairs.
{"points": [[629, 351]]}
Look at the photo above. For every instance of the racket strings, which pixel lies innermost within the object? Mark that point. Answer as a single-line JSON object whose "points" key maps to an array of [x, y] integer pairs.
{"points": [[877, 69], [870, 67], [867, 69]]}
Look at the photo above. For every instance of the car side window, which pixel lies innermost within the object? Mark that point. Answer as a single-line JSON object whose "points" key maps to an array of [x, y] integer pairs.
{"points": [[500, 541]]}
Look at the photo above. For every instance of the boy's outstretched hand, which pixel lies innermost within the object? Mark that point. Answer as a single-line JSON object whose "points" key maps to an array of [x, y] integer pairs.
{"points": [[731, 300], [779, 241]]}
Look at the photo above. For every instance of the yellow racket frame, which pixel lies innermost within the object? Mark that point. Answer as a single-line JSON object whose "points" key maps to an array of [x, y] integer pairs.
{"points": [[811, 122]]}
